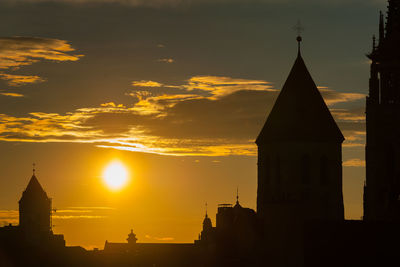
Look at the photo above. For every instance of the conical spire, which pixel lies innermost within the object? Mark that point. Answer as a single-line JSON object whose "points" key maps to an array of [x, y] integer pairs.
{"points": [[300, 113], [381, 28], [33, 189], [237, 205]]}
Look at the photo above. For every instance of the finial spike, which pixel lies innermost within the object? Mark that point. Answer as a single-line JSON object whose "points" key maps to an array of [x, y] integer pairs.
{"points": [[206, 210], [381, 28], [299, 29], [237, 194], [33, 168]]}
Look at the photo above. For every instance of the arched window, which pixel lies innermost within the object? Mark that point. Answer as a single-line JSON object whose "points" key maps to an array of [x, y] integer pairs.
{"points": [[324, 171], [305, 173]]}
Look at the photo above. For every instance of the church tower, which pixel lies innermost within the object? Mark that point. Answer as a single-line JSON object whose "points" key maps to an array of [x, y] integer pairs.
{"points": [[382, 187], [299, 156], [35, 208]]}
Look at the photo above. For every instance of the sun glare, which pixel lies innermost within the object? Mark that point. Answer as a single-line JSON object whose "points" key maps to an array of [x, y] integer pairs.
{"points": [[115, 175]]}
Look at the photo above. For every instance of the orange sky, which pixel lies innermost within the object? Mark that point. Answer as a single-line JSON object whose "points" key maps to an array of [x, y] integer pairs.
{"points": [[177, 92]]}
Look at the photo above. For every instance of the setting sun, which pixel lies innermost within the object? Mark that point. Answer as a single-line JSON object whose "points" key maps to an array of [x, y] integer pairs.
{"points": [[115, 175]]}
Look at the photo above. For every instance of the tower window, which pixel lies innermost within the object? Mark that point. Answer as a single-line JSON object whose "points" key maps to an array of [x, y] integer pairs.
{"points": [[305, 173]]}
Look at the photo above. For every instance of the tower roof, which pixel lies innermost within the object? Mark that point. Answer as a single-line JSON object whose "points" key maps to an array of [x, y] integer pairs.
{"points": [[33, 190], [300, 113]]}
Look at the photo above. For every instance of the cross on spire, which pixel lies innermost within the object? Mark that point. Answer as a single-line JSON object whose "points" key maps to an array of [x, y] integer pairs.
{"points": [[299, 29]]}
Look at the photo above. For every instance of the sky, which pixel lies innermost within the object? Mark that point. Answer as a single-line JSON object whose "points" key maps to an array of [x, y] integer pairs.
{"points": [[177, 91]]}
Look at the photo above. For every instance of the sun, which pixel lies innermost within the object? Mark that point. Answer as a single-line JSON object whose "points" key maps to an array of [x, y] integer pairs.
{"points": [[115, 175]]}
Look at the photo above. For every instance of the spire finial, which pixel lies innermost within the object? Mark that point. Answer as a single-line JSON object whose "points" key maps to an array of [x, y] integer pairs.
{"points": [[299, 29], [381, 28], [237, 195], [206, 211], [33, 168]]}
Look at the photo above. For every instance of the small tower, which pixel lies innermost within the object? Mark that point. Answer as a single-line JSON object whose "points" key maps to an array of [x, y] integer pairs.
{"points": [[207, 224], [131, 238], [34, 208], [299, 168], [300, 155]]}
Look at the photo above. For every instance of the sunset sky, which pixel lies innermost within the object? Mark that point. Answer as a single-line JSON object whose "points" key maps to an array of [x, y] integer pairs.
{"points": [[175, 90]]}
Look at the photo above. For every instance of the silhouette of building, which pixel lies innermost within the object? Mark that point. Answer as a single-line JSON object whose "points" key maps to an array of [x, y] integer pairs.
{"points": [[35, 208], [32, 242], [299, 165], [234, 237], [382, 187]]}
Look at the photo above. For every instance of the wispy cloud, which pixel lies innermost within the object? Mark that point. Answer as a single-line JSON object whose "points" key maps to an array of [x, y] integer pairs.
{"points": [[333, 97], [12, 94], [8, 216], [17, 80], [21, 51], [16, 52], [166, 60], [354, 163], [145, 83], [205, 115], [81, 213]]}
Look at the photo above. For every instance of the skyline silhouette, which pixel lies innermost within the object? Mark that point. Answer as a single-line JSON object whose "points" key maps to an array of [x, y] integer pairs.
{"points": [[184, 139]]}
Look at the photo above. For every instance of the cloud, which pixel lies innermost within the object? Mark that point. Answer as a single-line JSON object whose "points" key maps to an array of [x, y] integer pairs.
{"points": [[203, 116], [21, 51], [9, 216], [144, 83], [17, 80], [166, 60], [68, 217], [354, 163], [81, 213], [332, 97], [12, 94]]}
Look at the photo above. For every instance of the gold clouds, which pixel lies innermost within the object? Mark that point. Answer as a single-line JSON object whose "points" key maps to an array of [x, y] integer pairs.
{"points": [[166, 60], [205, 115], [17, 80], [21, 51], [12, 94], [144, 83], [16, 52], [354, 163]]}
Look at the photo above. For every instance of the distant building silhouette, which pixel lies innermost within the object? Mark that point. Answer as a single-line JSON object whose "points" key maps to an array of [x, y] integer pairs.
{"points": [[35, 208], [32, 242], [382, 188], [300, 214]]}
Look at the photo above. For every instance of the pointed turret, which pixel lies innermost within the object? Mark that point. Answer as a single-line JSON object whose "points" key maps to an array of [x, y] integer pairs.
{"points": [[237, 205], [35, 207], [207, 224], [381, 28], [299, 155], [300, 113]]}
